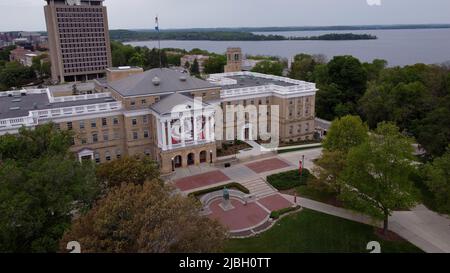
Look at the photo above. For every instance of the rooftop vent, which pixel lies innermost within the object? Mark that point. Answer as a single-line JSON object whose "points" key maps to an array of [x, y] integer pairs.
{"points": [[14, 108], [156, 81], [124, 67], [183, 78], [16, 100]]}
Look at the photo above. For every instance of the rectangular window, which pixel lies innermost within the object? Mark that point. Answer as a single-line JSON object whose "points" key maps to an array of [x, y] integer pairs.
{"points": [[93, 123], [108, 156], [83, 141], [81, 124], [144, 101], [94, 138], [115, 121], [145, 119], [69, 125], [135, 135], [134, 122], [132, 103], [105, 136], [97, 157], [118, 153], [146, 134], [104, 122]]}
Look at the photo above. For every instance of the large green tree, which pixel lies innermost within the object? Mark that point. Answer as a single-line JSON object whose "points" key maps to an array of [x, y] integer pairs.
{"points": [[269, 67], [128, 170], [376, 179], [16, 75], [215, 64], [146, 218], [41, 186], [304, 65], [344, 134], [437, 179]]}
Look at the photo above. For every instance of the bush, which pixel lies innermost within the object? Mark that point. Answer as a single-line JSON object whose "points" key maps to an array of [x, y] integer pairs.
{"points": [[278, 213], [233, 185], [289, 180]]}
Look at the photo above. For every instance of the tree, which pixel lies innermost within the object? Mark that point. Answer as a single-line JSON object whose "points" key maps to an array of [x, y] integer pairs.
{"points": [[269, 67], [215, 64], [437, 179], [195, 68], [345, 133], [375, 68], [145, 218], [41, 186], [16, 75], [433, 132], [376, 179], [303, 66], [341, 85], [128, 170]]}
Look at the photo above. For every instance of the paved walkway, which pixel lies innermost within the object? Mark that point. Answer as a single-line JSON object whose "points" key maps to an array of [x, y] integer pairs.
{"points": [[422, 227]]}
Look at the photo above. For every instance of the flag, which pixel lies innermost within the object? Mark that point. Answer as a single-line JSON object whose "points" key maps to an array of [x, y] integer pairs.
{"points": [[156, 24]]}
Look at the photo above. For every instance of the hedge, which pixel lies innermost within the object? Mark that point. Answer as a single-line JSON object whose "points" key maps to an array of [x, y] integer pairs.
{"points": [[288, 180], [233, 185], [278, 213]]}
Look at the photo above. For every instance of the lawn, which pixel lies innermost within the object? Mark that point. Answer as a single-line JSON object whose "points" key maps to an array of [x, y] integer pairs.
{"points": [[312, 232], [315, 194], [288, 180]]}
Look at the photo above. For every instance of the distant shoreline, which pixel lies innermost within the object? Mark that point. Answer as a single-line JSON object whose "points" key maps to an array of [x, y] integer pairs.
{"points": [[307, 28], [136, 36]]}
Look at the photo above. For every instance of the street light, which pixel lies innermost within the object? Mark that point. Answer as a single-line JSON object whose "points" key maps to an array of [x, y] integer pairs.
{"points": [[210, 156], [173, 164]]}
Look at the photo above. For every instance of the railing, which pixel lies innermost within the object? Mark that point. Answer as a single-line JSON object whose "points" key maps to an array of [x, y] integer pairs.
{"points": [[22, 92], [76, 110], [80, 97], [297, 87], [14, 123], [186, 144]]}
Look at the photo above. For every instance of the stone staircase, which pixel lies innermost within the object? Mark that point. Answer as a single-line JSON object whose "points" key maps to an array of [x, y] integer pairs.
{"points": [[259, 187]]}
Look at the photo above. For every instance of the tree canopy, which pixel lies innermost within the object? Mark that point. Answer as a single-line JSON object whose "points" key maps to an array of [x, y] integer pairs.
{"points": [[269, 67], [41, 186], [128, 170], [145, 218], [376, 179]]}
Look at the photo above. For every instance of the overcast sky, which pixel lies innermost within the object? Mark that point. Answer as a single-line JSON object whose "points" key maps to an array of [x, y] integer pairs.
{"points": [[29, 14]]}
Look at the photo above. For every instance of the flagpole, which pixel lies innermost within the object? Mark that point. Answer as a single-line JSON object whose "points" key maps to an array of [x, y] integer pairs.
{"points": [[159, 41]]}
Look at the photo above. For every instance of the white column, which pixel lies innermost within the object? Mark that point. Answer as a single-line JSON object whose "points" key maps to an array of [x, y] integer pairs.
{"points": [[195, 129], [208, 129], [169, 132], [183, 137], [162, 134]]}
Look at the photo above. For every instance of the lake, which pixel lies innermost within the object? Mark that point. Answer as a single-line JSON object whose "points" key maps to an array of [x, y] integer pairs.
{"points": [[398, 47]]}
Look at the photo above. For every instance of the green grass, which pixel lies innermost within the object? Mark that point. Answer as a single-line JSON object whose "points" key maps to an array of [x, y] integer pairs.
{"points": [[314, 194], [288, 180], [313, 232]]}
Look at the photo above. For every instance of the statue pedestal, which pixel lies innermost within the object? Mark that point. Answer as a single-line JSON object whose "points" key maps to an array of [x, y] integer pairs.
{"points": [[226, 205]]}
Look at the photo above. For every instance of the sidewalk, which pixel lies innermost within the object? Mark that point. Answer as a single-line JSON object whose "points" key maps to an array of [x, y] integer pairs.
{"points": [[424, 228]]}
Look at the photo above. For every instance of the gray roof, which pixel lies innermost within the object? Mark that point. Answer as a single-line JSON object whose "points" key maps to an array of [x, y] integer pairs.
{"points": [[169, 82], [167, 104], [252, 81], [20, 106]]}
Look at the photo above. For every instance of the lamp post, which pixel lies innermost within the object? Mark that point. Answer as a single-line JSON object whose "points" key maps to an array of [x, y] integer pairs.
{"points": [[301, 168], [173, 164], [210, 156]]}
